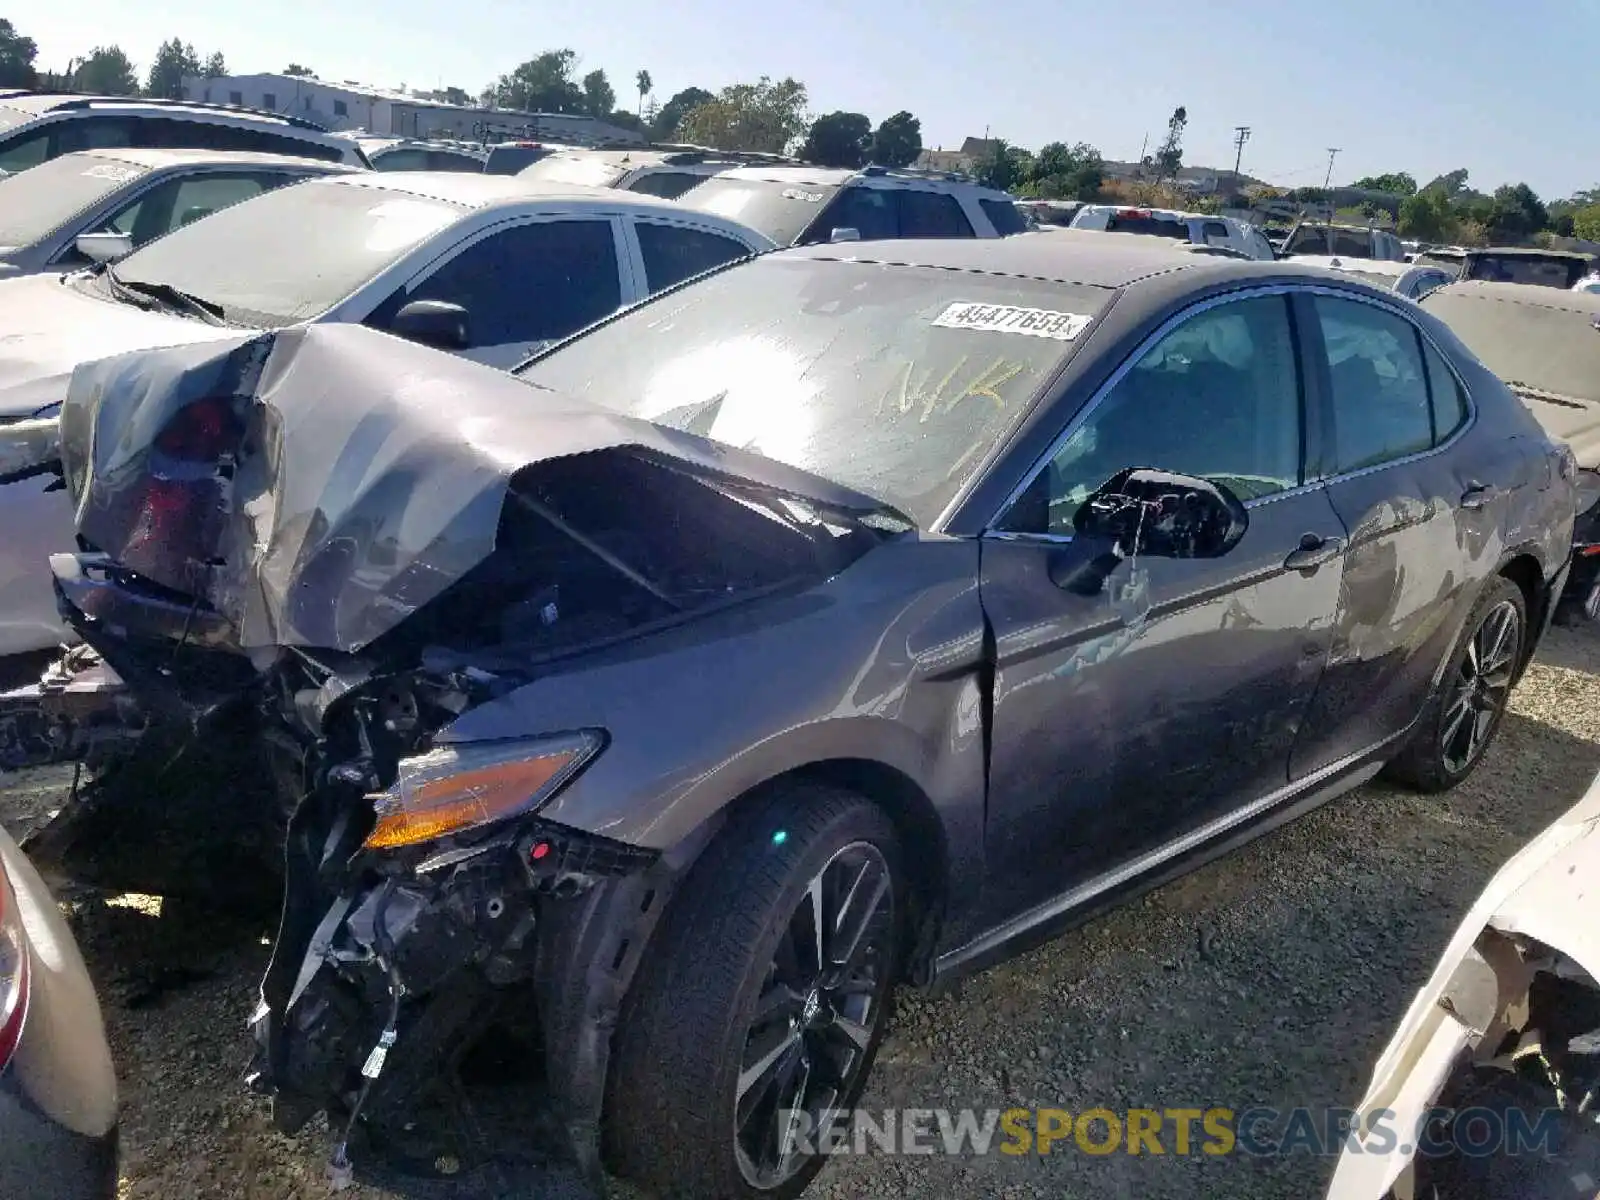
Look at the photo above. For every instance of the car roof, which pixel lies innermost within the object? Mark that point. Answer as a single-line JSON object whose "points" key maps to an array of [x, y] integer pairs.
{"points": [[1344, 262], [487, 191], [827, 176], [155, 159], [1527, 252], [1069, 256], [1560, 299], [41, 104]]}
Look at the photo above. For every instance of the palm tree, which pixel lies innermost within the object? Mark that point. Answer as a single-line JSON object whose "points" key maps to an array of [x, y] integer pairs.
{"points": [[644, 83]]}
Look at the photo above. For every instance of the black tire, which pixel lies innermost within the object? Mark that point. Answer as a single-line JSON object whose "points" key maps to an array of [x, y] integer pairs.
{"points": [[685, 1031], [1433, 760]]}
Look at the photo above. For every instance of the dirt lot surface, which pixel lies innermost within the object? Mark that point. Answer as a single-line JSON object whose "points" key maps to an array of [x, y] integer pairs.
{"points": [[1318, 935]]}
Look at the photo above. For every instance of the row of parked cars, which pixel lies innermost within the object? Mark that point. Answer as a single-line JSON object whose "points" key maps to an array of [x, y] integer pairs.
{"points": [[654, 629]]}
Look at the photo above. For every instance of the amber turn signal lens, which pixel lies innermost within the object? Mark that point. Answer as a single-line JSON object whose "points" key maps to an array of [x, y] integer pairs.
{"points": [[449, 791]]}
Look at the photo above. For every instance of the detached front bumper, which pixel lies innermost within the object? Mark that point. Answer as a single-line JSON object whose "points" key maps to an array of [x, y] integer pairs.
{"points": [[512, 955]]}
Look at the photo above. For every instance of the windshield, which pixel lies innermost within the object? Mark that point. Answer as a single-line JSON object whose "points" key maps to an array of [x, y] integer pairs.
{"points": [[891, 380], [1547, 347], [36, 201], [290, 254], [782, 211], [590, 171], [1555, 271]]}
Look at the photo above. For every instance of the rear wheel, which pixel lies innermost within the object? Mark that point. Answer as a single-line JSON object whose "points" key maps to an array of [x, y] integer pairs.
{"points": [[759, 1008], [1466, 710]]}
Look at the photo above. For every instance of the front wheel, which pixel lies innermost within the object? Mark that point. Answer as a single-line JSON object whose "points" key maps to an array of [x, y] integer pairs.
{"points": [[1468, 707], [761, 1002]]}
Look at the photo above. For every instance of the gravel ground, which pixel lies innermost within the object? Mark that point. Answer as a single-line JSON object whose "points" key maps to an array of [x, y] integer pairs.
{"points": [[1323, 931]]}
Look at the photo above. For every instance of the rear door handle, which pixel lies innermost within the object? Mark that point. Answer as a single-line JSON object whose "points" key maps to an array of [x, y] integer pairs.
{"points": [[1313, 552], [1479, 495]]}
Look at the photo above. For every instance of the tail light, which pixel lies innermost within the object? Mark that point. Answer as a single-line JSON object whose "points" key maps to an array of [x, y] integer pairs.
{"points": [[182, 491], [13, 972], [201, 433]]}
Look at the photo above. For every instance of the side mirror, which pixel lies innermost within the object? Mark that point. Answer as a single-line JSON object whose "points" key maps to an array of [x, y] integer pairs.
{"points": [[1151, 512], [845, 233], [104, 247], [435, 323]]}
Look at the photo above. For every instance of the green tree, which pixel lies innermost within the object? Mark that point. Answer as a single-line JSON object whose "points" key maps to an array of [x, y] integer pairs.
{"points": [[999, 167], [599, 97], [542, 84], [16, 58], [1169, 155], [1586, 222], [766, 116], [216, 66], [670, 115], [297, 69], [1397, 182], [174, 62], [1516, 213], [1428, 216], [644, 84], [897, 141], [106, 72], [838, 139], [1065, 172], [1451, 183]]}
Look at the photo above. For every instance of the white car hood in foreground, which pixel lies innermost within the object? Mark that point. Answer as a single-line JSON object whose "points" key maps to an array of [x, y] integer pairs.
{"points": [[48, 327], [1550, 892]]}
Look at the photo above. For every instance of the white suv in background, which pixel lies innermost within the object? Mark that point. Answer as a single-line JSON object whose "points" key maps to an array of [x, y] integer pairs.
{"points": [[1199, 229], [799, 205], [37, 128]]}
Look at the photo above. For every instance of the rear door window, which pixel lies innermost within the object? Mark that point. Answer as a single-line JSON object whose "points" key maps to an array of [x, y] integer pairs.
{"points": [[932, 215], [872, 212], [1381, 406], [673, 253]]}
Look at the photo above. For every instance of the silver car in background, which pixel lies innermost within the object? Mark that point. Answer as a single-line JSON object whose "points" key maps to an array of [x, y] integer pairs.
{"points": [[99, 205]]}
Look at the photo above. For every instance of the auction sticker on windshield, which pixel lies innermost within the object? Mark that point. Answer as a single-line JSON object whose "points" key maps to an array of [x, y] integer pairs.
{"points": [[1007, 318]]}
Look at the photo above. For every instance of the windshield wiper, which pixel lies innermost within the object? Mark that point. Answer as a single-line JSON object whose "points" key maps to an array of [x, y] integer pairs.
{"points": [[166, 294]]}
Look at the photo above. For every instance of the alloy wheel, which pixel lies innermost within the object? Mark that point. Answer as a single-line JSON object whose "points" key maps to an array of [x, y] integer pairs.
{"points": [[1481, 687], [818, 1011]]}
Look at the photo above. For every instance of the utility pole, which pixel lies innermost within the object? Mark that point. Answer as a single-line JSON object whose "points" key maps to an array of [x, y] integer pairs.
{"points": [[1241, 135], [1328, 179]]}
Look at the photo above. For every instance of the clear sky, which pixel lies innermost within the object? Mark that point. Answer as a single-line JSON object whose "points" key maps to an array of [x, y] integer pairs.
{"points": [[1427, 86]]}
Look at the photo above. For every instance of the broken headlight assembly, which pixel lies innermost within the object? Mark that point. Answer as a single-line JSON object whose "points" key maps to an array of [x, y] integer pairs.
{"points": [[467, 788]]}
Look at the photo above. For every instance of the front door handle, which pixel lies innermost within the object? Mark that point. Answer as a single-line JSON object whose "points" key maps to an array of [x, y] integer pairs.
{"points": [[1479, 495], [1313, 552]]}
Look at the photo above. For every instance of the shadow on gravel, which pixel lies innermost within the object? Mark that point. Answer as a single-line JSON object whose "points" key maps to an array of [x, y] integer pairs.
{"points": [[1572, 648]]}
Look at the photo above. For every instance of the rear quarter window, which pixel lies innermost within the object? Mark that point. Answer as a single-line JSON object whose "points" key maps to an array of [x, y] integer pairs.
{"points": [[1004, 216]]}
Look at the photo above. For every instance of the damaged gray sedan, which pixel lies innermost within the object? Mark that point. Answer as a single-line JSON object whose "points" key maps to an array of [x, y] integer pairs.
{"points": [[854, 616]]}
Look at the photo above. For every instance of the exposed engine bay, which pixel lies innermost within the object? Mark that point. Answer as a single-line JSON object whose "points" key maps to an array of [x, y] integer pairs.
{"points": [[272, 649]]}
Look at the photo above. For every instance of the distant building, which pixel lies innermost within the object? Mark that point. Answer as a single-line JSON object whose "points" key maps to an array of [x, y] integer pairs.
{"points": [[354, 106], [973, 152]]}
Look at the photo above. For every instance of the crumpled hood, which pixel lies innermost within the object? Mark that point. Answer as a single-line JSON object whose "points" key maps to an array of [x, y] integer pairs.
{"points": [[1547, 892], [48, 327], [370, 475]]}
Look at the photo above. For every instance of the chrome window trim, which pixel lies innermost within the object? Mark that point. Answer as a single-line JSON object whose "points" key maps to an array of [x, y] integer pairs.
{"points": [[1184, 315]]}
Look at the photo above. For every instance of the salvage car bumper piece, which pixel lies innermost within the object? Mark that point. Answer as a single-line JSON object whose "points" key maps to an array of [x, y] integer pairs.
{"points": [[1521, 969]]}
